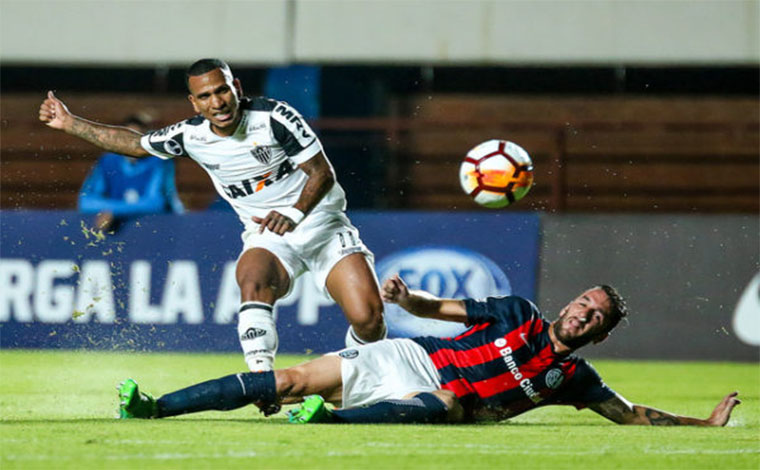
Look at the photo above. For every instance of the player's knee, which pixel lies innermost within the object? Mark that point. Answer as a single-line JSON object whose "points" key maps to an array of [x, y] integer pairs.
{"points": [[291, 382], [370, 327], [253, 288]]}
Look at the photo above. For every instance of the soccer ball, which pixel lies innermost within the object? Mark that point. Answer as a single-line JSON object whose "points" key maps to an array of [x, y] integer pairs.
{"points": [[496, 173]]}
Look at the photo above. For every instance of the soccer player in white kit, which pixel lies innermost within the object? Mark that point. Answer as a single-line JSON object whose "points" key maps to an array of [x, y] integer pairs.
{"points": [[264, 160]]}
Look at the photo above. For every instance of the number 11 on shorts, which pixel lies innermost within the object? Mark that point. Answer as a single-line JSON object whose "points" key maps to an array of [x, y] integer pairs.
{"points": [[347, 239]]}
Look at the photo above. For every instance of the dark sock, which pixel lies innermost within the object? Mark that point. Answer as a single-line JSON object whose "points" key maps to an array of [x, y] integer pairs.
{"points": [[226, 393], [423, 408]]}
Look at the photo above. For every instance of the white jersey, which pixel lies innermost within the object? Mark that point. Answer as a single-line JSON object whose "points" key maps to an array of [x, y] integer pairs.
{"points": [[254, 169]]}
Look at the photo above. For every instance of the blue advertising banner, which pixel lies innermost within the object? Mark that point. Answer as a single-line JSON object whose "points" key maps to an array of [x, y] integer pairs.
{"points": [[167, 282]]}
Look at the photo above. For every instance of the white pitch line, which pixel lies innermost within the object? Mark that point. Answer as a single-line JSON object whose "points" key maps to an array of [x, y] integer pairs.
{"points": [[489, 449]]}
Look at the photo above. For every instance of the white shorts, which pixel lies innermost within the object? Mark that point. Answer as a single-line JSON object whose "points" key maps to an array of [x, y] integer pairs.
{"points": [[386, 370], [317, 244]]}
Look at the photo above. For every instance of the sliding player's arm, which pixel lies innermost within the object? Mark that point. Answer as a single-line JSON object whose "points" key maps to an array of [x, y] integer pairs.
{"points": [[117, 139], [421, 303], [621, 411]]}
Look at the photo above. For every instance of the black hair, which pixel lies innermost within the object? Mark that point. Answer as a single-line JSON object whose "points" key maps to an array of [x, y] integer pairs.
{"points": [[202, 66], [618, 308]]}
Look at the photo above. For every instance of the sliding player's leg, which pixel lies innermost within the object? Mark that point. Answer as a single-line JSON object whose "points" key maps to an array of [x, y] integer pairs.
{"points": [[437, 407], [265, 389], [391, 381]]}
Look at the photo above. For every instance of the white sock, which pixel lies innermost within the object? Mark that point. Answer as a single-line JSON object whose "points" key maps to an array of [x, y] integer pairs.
{"points": [[352, 340], [258, 335]]}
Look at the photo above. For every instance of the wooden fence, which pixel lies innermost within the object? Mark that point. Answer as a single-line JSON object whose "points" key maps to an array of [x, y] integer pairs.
{"points": [[608, 154]]}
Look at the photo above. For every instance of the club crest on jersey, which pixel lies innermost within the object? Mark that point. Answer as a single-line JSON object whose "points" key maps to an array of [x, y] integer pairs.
{"points": [[554, 378], [262, 153]]}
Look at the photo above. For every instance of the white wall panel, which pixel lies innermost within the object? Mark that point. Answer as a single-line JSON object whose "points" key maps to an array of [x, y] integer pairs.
{"points": [[529, 31], [388, 31], [631, 31], [138, 31]]}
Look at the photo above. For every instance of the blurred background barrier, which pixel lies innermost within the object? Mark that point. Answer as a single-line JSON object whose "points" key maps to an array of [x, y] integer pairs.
{"points": [[64, 285], [166, 282]]}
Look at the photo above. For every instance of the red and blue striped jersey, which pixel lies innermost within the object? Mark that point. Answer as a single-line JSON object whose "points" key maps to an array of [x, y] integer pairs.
{"points": [[504, 364]]}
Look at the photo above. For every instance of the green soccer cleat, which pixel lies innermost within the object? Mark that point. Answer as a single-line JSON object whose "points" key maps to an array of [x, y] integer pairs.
{"points": [[135, 404], [312, 410]]}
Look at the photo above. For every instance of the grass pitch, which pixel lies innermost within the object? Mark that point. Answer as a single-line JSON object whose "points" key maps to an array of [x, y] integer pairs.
{"points": [[57, 410]]}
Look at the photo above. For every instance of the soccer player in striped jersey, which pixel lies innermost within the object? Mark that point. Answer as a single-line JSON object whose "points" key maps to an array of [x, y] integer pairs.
{"points": [[509, 361], [265, 160]]}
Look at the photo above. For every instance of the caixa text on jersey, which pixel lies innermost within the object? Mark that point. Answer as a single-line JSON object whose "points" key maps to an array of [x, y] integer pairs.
{"points": [[257, 183]]}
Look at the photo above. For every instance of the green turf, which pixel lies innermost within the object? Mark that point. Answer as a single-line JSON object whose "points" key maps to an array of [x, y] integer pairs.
{"points": [[57, 410]]}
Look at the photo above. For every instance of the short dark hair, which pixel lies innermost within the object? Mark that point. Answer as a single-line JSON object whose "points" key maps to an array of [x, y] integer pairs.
{"points": [[618, 308], [202, 66]]}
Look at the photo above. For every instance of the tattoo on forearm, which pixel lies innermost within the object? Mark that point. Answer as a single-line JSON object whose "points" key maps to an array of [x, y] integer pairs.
{"points": [[314, 190], [657, 418], [613, 413], [115, 139]]}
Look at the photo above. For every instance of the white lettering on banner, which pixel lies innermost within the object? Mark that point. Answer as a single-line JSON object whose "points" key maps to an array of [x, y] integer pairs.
{"points": [[140, 309], [228, 298], [182, 293], [309, 301], [47, 293], [53, 303], [95, 293], [17, 281]]}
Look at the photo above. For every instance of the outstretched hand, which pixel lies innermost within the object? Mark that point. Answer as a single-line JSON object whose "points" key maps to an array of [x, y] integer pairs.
{"points": [[54, 113], [275, 222], [722, 412], [395, 290]]}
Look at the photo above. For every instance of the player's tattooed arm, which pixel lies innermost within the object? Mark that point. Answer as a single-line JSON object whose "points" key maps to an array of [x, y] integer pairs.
{"points": [[117, 139], [122, 140], [321, 180], [621, 411]]}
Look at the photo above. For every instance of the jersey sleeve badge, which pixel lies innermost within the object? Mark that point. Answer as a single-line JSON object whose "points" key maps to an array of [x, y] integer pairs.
{"points": [[293, 133], [166, 143]]}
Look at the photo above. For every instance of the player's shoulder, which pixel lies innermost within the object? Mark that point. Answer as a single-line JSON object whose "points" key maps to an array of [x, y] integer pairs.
{"points": [[510, 306], [584, 373], [194, 121], [258, 103], [514, 304], [189, 124], [170, 141]]}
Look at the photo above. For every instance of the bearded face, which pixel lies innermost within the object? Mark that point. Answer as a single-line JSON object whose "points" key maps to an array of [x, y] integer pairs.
{"points": [[584, 320]]}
